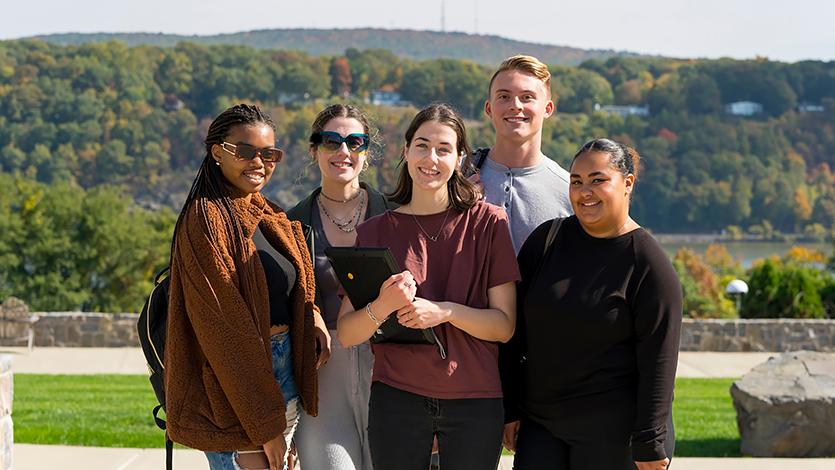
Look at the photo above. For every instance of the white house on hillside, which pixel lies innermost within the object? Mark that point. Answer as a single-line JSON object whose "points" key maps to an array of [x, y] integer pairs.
{"points": [[386, 98], [743, 108], [810, 108], [622, 111]]}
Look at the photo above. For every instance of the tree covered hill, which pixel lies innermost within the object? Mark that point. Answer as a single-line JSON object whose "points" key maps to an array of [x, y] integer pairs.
{"points": [[108, 114], [99, 143], [410, 44]]}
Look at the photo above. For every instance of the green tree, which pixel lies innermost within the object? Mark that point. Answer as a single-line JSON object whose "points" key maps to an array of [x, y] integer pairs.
{"points": [[340, 73], [67, 249], [703, 96], [578, 90], [174, 73]]}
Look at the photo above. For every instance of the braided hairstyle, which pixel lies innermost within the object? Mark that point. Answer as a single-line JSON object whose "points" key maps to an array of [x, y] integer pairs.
{"points": [[210, 189]]}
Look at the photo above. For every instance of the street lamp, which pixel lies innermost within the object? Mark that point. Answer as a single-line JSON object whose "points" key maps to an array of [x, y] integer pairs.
{"points": [[736, 289]]}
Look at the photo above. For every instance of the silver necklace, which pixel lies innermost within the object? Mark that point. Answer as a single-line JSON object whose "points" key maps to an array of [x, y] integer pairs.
{"points": [[344, 225], [340, 201], [438, 233]]}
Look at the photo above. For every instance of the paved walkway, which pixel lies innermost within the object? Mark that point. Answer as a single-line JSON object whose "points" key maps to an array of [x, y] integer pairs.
{"points": [[131, 361], [33, 457]]}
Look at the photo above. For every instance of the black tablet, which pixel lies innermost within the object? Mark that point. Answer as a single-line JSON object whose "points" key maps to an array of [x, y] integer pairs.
{"points": [[362, 271]]}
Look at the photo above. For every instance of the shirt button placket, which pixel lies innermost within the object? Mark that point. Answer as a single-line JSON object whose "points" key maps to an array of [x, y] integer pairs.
{"points": [[508, 184]]}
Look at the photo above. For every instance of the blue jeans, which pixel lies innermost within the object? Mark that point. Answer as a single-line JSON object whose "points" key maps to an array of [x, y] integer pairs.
{"points": [[282, 358]]}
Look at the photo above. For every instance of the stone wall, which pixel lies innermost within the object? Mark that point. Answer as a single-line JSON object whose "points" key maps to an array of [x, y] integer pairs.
{"points": [[77, 329], [777, 335], [6, 398]]}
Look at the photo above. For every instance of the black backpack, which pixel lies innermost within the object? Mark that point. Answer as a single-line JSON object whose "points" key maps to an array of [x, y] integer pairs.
{"points": [[477, 160], [152, 325]]}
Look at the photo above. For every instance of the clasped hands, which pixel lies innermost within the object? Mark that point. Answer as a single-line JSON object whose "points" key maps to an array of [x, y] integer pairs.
{"points": [[397, 297]]}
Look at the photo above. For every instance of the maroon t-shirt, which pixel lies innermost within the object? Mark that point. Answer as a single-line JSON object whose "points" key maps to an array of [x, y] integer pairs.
{"points": [[473, 253]]}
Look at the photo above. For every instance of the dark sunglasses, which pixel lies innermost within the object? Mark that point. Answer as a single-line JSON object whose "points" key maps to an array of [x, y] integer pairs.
{"points": [[331, 141], [248, 152]]}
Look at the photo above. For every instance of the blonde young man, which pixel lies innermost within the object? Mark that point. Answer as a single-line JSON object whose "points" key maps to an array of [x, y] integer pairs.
{"points": [[515, 174]]}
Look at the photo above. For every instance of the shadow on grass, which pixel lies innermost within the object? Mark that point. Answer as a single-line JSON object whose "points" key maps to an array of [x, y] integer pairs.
{"points": [[707, 448]]}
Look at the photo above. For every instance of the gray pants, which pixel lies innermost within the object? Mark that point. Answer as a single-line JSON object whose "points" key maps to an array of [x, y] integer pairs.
{"points": [[337, 439]]}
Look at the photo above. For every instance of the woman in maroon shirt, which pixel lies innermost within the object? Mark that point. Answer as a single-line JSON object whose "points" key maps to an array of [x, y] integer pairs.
{"points": [[460, 279]]}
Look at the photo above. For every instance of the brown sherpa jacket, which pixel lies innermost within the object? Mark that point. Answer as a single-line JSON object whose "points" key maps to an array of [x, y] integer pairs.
{"points": [[220, 391]]}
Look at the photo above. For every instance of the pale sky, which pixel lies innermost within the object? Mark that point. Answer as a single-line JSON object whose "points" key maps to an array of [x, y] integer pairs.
{"points": [[787, 30]]}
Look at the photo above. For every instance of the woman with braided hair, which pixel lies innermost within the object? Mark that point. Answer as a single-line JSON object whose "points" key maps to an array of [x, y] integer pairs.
{"points": [[243, 329]]}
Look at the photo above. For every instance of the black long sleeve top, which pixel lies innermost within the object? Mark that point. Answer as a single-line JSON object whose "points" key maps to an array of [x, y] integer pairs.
{"points": [[599, 326]]}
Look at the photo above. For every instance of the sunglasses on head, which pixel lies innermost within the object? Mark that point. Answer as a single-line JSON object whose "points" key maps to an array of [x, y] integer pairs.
{"points": [[331, 141], [248, 152]]}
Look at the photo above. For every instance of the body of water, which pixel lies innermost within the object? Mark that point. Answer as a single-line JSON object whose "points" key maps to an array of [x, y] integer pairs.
{"points": [[748, 252]]}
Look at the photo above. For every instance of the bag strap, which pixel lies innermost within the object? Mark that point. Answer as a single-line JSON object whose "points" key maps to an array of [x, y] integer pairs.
{"points": [[552, 234], [553, 230], [160, 422], [477, 160], [481, 156], [169, 444], [169, 453]]}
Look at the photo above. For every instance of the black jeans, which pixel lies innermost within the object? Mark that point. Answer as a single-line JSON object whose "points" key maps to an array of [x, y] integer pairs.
{"points": [[538, 449], [402, 425]]}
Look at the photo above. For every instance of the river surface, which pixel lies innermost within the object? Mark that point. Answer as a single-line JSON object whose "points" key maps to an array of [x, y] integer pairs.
{"points": [[748, 252]]}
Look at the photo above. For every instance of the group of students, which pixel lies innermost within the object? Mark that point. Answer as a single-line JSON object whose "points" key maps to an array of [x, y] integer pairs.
{"points": [[565, 354]]}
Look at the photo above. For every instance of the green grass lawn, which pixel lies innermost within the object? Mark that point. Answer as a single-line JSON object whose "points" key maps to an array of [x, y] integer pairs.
{"points": [[705, 419], [88, 410], [115, 411]]}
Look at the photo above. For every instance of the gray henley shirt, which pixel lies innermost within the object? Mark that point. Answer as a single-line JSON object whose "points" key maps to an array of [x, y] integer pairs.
{"points": [[530, 195]]}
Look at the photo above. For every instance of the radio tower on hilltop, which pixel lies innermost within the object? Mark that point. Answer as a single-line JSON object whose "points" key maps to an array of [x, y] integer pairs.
{"points": [[443, 16], [475, 16]]}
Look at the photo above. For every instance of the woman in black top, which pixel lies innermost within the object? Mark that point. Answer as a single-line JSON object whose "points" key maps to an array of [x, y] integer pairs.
{"points": [[589, 374]]}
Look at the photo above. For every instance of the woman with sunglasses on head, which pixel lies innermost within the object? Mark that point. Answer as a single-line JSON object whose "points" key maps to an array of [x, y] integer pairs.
{"points": [[337, 439], [459, 278], [591, 368], [243, 328]]}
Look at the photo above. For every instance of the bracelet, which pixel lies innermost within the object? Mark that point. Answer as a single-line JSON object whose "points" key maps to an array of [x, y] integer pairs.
{"points": [[371, 315]]}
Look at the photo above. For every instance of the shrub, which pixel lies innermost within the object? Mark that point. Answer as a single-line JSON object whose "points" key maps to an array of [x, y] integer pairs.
{"points": [[779, 289], [701, 290]]}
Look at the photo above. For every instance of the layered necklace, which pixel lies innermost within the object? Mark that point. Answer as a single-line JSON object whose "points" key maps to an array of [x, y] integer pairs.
{"points": [[348, 223]]}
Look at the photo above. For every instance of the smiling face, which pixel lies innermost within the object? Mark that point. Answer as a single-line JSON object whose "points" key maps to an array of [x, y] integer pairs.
{"points": [[247, 176], [432, 156], [341, 166], [599, 194], [518, 105]]}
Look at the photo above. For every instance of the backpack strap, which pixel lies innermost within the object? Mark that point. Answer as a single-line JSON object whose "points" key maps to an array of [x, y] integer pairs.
{"points": [[169, 453], [169, 444], [480, 156], [160, 422], [477, 160]]}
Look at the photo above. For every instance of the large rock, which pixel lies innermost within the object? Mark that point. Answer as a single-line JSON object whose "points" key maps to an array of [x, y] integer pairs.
{"points": [[785, 407]]}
